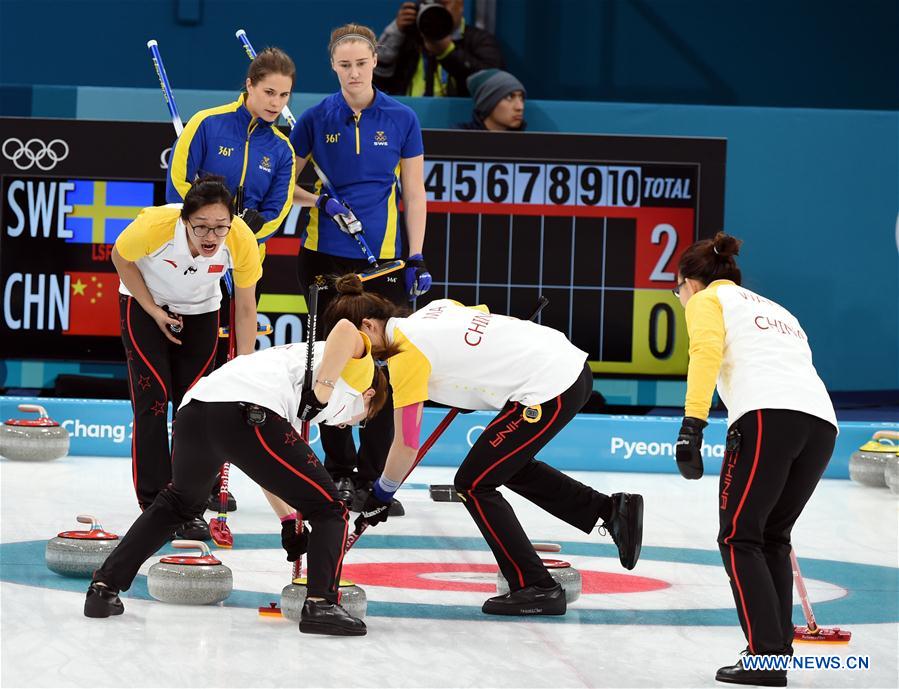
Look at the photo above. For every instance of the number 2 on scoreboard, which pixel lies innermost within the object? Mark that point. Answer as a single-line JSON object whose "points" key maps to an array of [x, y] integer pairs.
{"points": [[663, 234]]}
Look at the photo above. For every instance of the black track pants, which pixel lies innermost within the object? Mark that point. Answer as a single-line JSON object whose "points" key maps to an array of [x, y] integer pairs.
{"points": [[160, 372], [341, 457], [505, 454], [273, 455], [763, 488]]}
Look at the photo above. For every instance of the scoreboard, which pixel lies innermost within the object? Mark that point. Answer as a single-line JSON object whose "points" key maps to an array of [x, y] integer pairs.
{"points": [[595, 223]]}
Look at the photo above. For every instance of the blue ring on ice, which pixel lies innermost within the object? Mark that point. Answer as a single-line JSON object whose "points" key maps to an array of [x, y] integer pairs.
{"points": [[872, 590]]}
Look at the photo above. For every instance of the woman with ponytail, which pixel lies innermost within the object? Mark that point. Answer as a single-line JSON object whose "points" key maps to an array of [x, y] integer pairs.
{"points": [[781, 433], [536, 381]]}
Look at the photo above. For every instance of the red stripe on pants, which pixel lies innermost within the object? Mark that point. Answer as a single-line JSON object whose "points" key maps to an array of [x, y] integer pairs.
{"points": [[733, 531], [496, 464], [321, 490]]}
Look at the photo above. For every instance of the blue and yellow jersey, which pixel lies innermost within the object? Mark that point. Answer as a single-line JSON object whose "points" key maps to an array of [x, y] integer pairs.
{"points": [[362, 157], [246, 151]]}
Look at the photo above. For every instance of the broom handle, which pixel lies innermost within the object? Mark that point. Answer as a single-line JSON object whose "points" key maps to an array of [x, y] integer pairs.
{"points": [[803, 593]]}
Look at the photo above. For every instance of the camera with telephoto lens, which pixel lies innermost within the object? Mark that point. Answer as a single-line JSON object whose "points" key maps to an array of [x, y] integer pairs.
{"points": [[434, 21]]}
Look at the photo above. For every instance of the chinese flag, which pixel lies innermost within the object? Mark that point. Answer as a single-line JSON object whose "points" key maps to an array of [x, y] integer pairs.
{"points": [[215, 268], [93, 304]]}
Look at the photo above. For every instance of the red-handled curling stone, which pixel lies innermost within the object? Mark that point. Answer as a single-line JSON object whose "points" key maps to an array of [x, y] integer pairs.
{"points": [[562, 572], [33, 440], [79, 553], [190, 579]]}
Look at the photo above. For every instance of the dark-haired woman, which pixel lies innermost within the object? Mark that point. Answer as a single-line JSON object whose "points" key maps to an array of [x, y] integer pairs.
{"points": [[170, 261], [240, 142], [369, 146], [250, 411], [781, 433], [537, 381]]}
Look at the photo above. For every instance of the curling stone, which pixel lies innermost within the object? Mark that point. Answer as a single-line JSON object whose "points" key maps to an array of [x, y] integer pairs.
{"points": [[561, 571], [443, 493], [352, 599], [33, 440], [867, 464], [79, 553], [190, 579], [891, 473]]}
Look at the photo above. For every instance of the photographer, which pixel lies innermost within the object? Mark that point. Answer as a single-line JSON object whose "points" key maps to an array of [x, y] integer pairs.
{"points": [[429, 51]]}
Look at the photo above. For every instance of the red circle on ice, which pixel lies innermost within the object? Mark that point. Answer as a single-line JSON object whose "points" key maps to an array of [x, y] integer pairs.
{"points": [[438, 576]]}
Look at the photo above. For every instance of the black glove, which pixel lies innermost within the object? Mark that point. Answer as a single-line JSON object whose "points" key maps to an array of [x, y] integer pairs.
{"points": [[374, 511], [294, 543], [688, 450], [310, 406], [253, 218]]}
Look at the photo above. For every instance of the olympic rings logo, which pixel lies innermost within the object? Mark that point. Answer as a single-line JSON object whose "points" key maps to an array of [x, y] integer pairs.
{"points": [[35, 152], [164, 158]]}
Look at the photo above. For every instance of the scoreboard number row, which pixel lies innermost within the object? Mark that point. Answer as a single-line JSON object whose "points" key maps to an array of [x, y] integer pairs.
{"points": [[558, 184]]}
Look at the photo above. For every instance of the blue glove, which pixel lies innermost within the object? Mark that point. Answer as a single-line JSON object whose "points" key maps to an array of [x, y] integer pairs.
{"points": [[418, 279], [340, 214]]}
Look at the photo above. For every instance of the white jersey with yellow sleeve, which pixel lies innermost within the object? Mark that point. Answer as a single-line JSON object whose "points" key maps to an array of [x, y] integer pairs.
{"points": [[157, 242], [273, 378], [755, 351], [469, 358]]}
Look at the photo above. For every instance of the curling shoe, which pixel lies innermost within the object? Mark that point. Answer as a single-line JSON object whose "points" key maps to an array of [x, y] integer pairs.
{"points": [[625, 526], [737, 674], [345, 490], [194, 530], [531, 600], [322, 617], [102, 601]]}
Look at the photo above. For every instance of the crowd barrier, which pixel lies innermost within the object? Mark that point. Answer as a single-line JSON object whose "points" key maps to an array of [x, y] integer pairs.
{"points": [[591, 442]]}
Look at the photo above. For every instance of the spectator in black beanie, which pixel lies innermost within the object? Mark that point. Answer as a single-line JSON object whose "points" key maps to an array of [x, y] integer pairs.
{"points": [[410, 63], [498, 102]]}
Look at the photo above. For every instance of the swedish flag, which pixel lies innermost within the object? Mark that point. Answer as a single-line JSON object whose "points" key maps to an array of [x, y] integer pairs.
{"points": [[101, 209]]}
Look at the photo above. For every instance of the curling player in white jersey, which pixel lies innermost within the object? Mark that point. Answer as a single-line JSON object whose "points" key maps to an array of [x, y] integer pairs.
{"points": [[537, 381], [249, 412], [781, 433]]}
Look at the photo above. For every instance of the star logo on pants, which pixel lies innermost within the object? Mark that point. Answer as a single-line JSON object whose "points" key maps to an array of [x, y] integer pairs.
{"points": [[158, 407], [291, 438], [144, 382], [130, 354], [311, 459]]}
